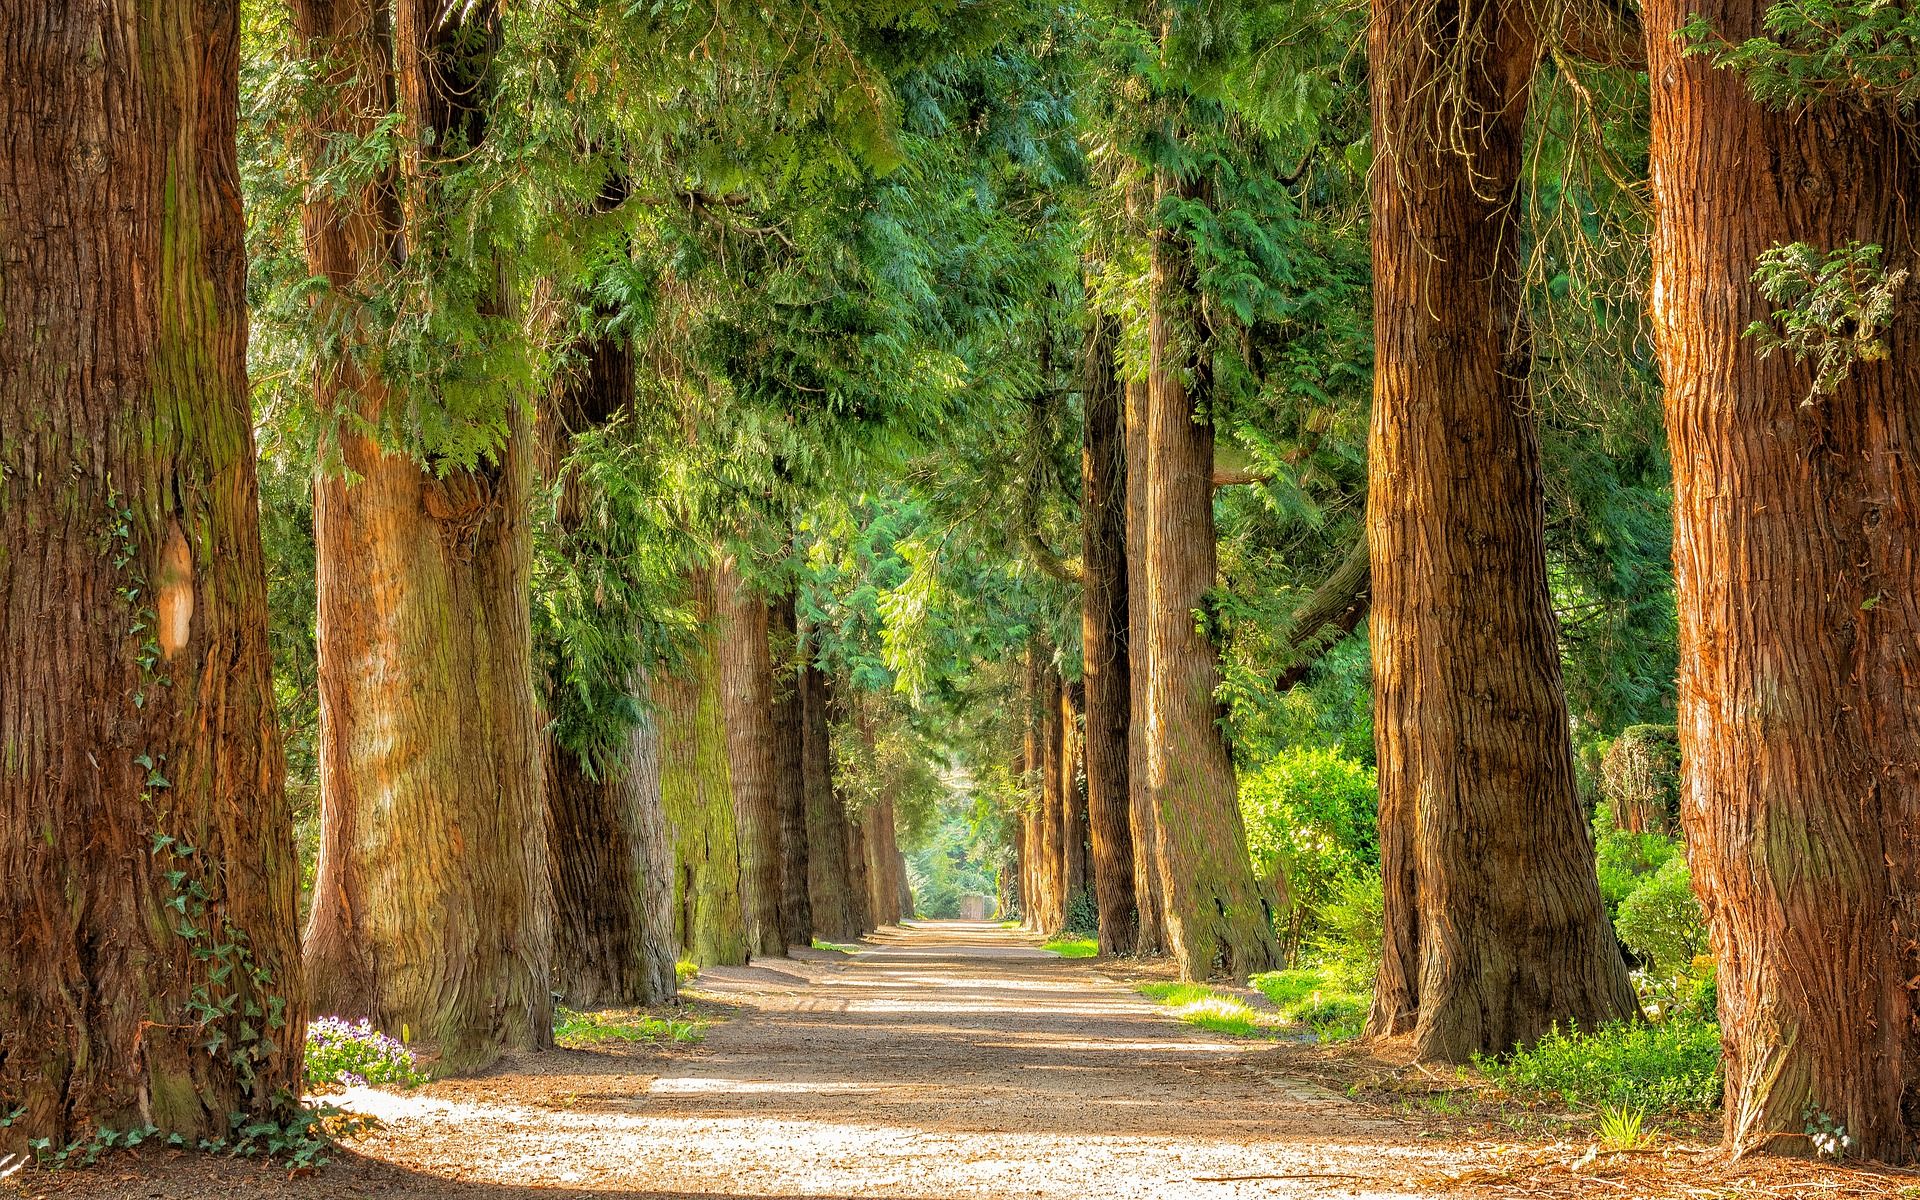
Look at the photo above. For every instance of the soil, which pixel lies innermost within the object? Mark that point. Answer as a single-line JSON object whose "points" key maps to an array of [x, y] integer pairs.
{"points": [[946, 1059]]}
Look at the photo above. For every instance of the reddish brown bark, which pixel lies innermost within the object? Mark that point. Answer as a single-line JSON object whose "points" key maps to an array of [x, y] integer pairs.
{"points": [[1796, 533], [790, 782], [1219, 920], [1104, 638], [1494, 929], [432, 909], [135, 698], [1147, 900], [753, 751], [829, 876], [1077, 847]]}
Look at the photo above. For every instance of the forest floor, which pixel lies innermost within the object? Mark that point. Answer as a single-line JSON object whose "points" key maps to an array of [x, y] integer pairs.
{"points": [[950, 1059]]}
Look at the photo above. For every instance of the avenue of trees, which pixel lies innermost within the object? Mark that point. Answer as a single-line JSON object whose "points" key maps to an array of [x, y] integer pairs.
{"points": [[499, 499]]}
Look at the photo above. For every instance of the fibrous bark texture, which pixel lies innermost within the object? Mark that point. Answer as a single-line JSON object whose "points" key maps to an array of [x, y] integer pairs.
{"points": [[790, 782], [1219, 921], [1145, 829], [137, 732], [1103, 628], [1796, 534], [696, 790], [829, 877], [1494, 929], [753, 750]]}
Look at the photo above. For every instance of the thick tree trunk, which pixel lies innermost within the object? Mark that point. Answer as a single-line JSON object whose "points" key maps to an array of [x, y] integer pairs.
{"points": [[1796, 533], [612, 870], [886, 870], [1078, 827], [137, 732], [1494, 929], [830, 888], [754, 752], [1103, 637], [1053, 806], [696, 791], [858, 874], [1145, 828], [790, 775], [432, 907], [1219, 920]]}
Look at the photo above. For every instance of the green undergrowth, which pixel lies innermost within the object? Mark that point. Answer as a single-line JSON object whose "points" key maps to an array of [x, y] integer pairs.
{"points": [[1213, 1010], [1671, 1067], [836, 947], [1314, 997], [684, 971], [580, 1030], [1074, 947]]}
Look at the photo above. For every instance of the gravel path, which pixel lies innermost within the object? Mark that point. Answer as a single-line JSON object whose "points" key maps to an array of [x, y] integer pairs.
{"points": [[947, 1059]]}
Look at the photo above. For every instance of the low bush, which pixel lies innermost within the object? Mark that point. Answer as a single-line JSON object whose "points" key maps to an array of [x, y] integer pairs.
{"points": [[1348, 947], [1318, 999], [1661, 922], [1310, 817], [1669, 1067], [344, 1053]]}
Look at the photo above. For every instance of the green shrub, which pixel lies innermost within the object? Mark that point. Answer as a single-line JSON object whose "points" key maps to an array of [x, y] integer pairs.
{"points": [[1624, 861], [1335, 1018], [1310, 817], [1204, 1007], [1348, 945], [1671, 1067], [343, 1053], [1661, 922], [1317, 998]]}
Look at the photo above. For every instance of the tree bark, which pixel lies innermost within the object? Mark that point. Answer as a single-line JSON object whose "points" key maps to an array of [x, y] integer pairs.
{"points": [[1494, 928], [829, 876], [1053, 805], [1219, 921], [1796, 531], [790, 781], [432, 907], [137, 731], [1104, 637], [859, 874], [1144, 827], [753, 750], [696, 790], [1078, 827]]}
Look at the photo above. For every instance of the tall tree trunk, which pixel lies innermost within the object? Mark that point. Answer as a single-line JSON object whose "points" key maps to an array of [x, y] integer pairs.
{"points": [[696, 790], [753, 749], [1219, 920], [137, 732], [1494, 929], [859, 875], [614, 942], [790, 779], [1053, 806], [1144, 826], [1078, 843], [1796, 532], [432, 907], [1103, 637], [885, 870], [829, 877]]}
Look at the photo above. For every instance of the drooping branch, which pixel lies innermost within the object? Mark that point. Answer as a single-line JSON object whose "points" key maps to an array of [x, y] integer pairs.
{"points": [[1337, 605]]}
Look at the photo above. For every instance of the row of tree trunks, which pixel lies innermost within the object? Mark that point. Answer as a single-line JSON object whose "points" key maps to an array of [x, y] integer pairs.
{"points": [[431, 770], [790, 784], [696, 792], [830, 889], [753, 750], [1104, 639], [128, 494], [1796, 533], [1144, 826], [1219, 920], [1494, 927]]}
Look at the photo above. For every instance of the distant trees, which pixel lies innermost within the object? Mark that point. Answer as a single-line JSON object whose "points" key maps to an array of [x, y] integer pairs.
{"points": [[148, 969]]}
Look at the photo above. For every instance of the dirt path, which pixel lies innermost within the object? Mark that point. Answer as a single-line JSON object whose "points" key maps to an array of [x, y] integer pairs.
{"points": [[945, 1060]]}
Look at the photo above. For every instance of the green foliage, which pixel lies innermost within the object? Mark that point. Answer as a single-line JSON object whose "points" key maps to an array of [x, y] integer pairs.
{"points": [[1832, 308], [580, 1030], [1319, 998], [354, 1054], [1352, 925], [1661, 921], [1213, 1010], [1670, 1067], [1310, 818], [1623, 860], [1859, 50], [1622, 1127], [1074, 947]]}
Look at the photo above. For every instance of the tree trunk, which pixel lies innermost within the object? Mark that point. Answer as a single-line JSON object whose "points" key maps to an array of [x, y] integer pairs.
{"points": [[858, 874], [790, 778], [1144, 827], [754, 752], [612, 871], [1103, 637], [829, 877], [1078, 844], [137, 731], [1494, 929], [1053, 806], [1796, 532], [1219, 921], [696, 790], [432, 906]]}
